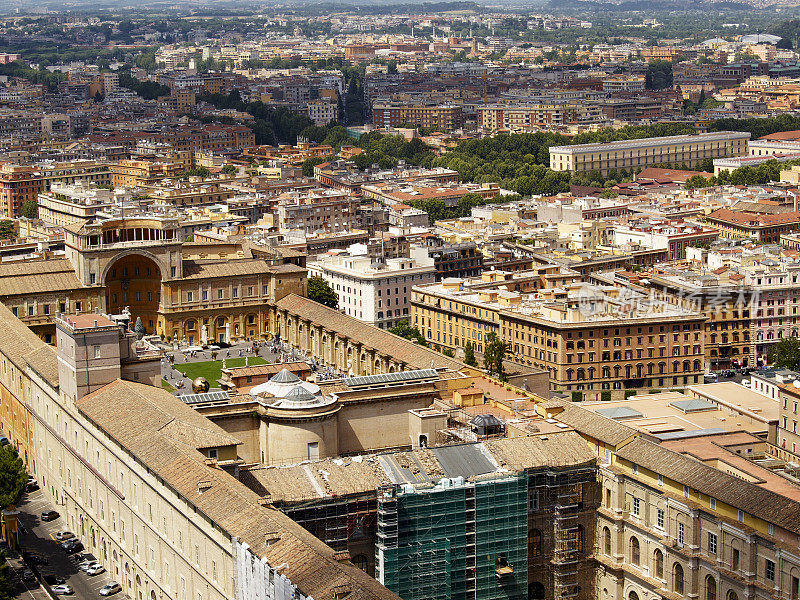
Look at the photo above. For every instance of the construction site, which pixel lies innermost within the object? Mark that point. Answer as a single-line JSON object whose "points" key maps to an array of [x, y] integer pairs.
{"points": [[502, 518]]}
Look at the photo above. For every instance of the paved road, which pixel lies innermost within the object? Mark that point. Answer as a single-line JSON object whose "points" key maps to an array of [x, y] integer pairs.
{"points": [[40, 537]]}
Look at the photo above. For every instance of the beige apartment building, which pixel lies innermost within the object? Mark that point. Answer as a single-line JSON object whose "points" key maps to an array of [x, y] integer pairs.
{"points": [[641, 153], [589, 338]]}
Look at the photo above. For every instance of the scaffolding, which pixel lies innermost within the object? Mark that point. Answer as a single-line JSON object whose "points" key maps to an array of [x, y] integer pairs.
{"points": [[456, 540], [337, 520]]}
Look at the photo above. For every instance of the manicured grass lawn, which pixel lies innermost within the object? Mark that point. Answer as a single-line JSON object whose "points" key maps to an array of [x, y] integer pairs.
{"points": [[167, 385], [212, 369]]}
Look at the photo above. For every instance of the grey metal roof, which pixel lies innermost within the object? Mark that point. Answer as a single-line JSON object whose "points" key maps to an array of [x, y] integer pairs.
{"points": [[384, 378], [284, 376], [679, 435], [693, 405], [465, 460], [649, 142], [299, 393], [485, 421], [619, 412], [207, 397]]}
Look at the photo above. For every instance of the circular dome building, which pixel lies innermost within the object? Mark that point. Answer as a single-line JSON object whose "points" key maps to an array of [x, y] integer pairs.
{"points": [[302, 422]]}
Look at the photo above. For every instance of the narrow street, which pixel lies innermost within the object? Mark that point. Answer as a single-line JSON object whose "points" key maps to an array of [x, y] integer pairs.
{"points": [[39, 537]]}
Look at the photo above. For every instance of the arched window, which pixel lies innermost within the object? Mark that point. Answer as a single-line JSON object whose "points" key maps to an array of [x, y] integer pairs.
{"points": [[634, 550], [535, 591], [711, 588], [633, 596], [360, 561], [606, 372], [677, 579], [732, 596], [607, 540], [534, 543], [581, 374], [658, 566]]}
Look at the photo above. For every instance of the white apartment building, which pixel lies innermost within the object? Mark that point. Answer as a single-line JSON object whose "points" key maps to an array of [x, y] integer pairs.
{"points": [[65, 204], [376, 291]]}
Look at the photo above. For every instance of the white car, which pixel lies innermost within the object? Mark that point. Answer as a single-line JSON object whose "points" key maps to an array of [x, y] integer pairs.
{"points": [[64, 535], [110, 589], [63, 590], [85, 566], [95, 569], [746, 383]]}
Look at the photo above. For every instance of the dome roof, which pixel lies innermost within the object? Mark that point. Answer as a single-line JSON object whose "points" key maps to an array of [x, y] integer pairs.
{"points": [[485, 421], [285, 376], [299, 394]]}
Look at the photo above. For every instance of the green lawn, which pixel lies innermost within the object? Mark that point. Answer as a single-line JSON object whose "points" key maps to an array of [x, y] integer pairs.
{"points": [[212, 369], [167, 385]]}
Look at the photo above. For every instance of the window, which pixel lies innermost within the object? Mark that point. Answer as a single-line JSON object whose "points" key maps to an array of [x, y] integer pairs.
{"points": [[658, 560], [607, 540], [712, 503], [712, 543], [212, 453], [740, 516], [636, 507], [735, 559], [711, 588], [189, 296], [680, 533], [634, 550], [534, 543], [96, 350], [660, 518], [769, 570], [677, 579]]}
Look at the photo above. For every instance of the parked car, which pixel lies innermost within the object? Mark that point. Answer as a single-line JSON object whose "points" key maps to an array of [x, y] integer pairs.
{"points": [[49, 515], [86, 565], [4, 441], [54, 579], [28, 576], [110, 589], [746, 383], [32, 486], [62, 536], [72, 546], [34, 558], [63, 590], [95, 569]]}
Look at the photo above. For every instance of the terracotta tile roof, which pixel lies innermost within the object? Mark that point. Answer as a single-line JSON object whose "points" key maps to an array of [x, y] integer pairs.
{"points": [[25, 349], [198, 269], [138, 417], [753, 219], [590, 423], [670, 175], [388, 344], [749, 497]]}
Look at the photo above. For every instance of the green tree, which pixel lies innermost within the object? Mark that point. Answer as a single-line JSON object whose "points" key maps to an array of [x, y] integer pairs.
{"points": [[7, 591], [13, 476], [310, 163], [229, 169], [404, 330], [320, 291], [30, 209], [493, 356], [139, 328], [7, 230], [469, 355], [786, 354]]}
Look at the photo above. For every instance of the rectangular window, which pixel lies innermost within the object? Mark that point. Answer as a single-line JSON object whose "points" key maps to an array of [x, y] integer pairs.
{"points": [[769, 569], [235, 292], [712, 543], [96, 350], [740, 516], [712, 503], [660, 518], [636, 506], [219, 294], [681, 532]]}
